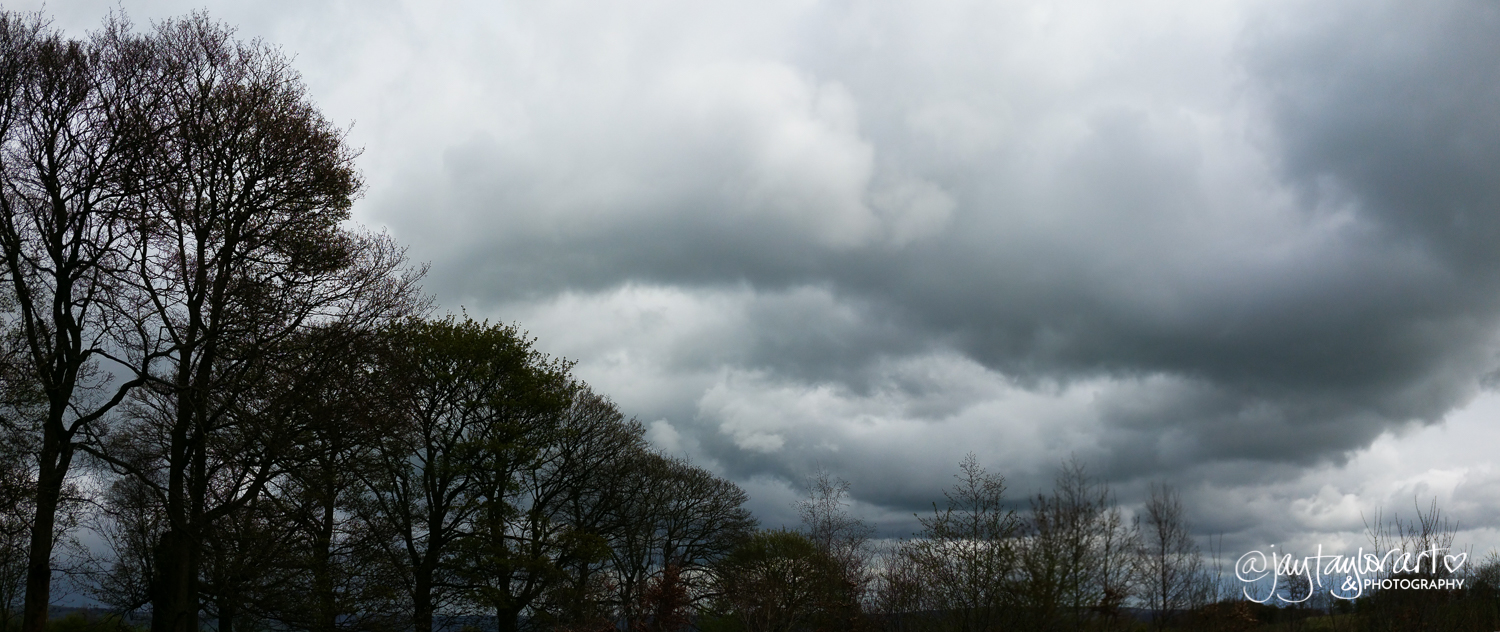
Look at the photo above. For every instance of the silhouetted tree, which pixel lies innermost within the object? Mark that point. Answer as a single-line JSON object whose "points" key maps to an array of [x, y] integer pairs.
{"points": [[129, 521], [676, 514], [963, 565], [434, 486], [74, 115], [1401, 610], [1076, 559], [544, 497], [338, 584], [17, 492], [842, 537], [238, 249], [665, 603], [1169, 563]]}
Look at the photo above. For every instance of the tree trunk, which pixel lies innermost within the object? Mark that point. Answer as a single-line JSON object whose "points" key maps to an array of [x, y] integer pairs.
{"points": [[325, 613], [174, 593], [422, 601], [228, 608], [39, 564], [52, 469], [507, 619]]}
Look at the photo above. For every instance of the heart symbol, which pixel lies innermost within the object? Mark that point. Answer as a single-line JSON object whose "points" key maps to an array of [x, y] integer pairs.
{"points": [[1448, 561]]}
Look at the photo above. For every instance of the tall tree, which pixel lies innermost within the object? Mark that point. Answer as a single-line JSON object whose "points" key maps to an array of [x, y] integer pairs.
{"points": [[237, 250], [128, 519], [73, 117], [249, 569], [548, 491], [20, 404], [608, 487], [17, 492]]}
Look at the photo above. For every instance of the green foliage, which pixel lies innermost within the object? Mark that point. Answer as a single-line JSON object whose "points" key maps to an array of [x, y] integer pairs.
{"points": [[780, 581]]}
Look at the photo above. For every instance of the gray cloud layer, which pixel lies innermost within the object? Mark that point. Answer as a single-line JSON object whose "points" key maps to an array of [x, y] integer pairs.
{"points": [[1291, 223], [1179, 240]]}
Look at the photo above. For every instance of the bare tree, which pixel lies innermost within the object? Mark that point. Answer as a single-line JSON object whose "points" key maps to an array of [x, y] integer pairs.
{"points": [[828, 523], [604, 493], [1296, 592], [249, 567], [19, 415], [337, 583], [17, 492], [963, 564], [1169, 561], [1076, 559], [128, 520], [1424, 542], [1115, 579], [546, 502], [841, 536]]}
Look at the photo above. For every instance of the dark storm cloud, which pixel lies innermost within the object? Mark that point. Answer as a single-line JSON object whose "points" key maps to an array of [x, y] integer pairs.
{"points": [[1397, 108], [1302, 244]]}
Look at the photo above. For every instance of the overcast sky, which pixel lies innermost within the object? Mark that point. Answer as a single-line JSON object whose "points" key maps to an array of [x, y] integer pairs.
{"points": [[1246, 248]]}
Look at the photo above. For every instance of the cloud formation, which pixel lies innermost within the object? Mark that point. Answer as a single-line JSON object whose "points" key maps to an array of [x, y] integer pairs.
{"points": [[1223, 242]]}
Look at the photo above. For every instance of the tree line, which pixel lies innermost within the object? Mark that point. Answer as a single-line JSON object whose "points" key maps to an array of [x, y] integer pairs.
{"points": [[1070, 559]]}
